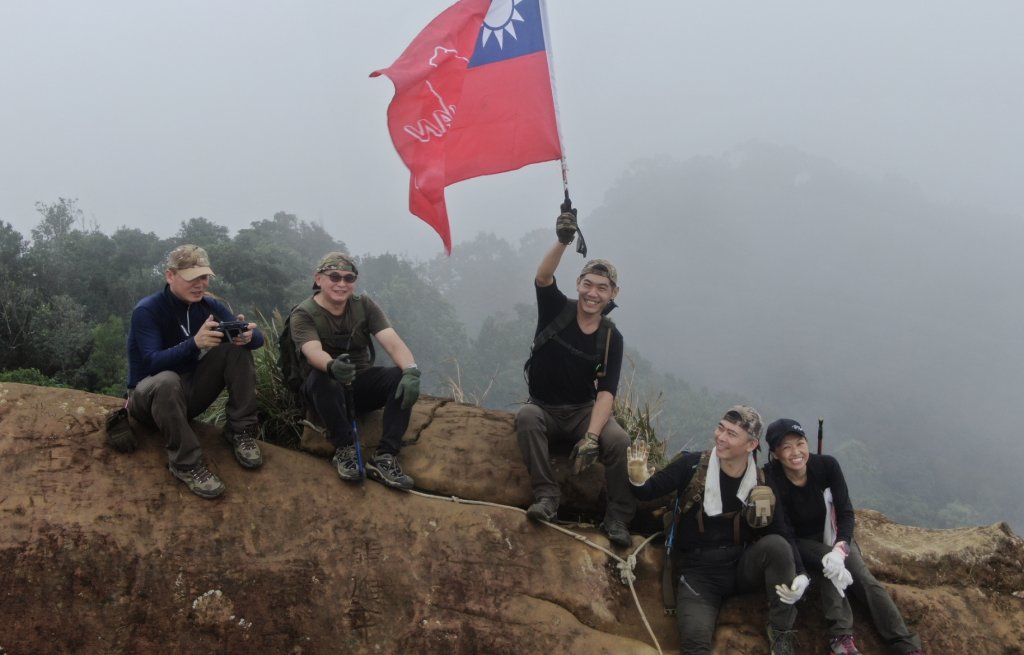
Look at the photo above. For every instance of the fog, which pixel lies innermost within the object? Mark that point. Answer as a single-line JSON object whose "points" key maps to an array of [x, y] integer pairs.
{"points": [[152, 113], [810, 202]]}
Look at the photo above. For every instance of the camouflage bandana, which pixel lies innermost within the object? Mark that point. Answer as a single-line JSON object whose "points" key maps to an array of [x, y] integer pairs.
{"points": [[745, 417], [189, 261], [601, 267], [336, 261]]}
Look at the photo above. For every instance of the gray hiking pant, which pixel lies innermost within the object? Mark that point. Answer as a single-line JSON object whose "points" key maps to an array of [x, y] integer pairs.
{"points": [[167, 400], [711, 575], [537, 425], [866, 589]]}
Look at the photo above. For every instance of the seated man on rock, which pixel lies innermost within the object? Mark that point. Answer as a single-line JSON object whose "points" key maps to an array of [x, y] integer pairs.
{"points": [[573, 375], [332, 331], [184, 348], [718, 548]]}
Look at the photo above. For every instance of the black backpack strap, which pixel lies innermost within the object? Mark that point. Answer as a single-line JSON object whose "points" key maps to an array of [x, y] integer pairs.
{"points": [[604, 336], [562, 321]]}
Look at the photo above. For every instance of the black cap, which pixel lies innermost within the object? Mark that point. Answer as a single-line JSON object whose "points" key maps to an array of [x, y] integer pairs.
{"points": [[778, 430]]}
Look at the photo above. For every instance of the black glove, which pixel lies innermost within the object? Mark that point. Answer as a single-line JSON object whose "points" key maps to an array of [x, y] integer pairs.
{"points": [[342, 370]]}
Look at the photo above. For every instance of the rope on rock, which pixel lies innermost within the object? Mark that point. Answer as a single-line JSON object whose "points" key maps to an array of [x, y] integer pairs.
{"points": [[626, 566]]}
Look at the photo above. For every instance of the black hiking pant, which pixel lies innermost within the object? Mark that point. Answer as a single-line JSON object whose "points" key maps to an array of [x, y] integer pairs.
{"points": [[865, 588], [372, 389], [709, 576]]}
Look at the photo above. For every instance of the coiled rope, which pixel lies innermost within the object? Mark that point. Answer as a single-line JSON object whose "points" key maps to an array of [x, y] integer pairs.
{"points": [[625, 566]]}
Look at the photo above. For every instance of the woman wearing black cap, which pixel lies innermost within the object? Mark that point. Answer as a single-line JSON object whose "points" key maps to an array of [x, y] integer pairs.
{"points": [[813, 492]]}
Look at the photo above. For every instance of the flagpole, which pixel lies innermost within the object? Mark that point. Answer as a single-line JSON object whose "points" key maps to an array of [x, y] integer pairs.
{"points": [[554, 96]]}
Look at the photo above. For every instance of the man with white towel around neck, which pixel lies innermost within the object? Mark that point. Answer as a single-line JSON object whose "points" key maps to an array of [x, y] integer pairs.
{"points": [[716, 553]]}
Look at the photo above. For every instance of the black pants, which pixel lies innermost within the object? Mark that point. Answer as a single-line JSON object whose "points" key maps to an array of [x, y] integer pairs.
{"points": [[708, 577], [372, 389]]}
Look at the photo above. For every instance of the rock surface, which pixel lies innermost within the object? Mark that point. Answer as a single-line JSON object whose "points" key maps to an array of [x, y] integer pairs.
{"points": [[106, 553]]}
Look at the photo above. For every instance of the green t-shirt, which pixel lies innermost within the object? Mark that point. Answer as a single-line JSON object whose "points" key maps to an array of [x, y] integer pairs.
{"points": [[342, 339]]}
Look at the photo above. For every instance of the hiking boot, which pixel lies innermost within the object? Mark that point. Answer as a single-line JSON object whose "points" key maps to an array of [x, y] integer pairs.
{"points": [[385, 468], [199, 480], [842, 645], [545, 509], [247, 452], [616, 532], [348, 466], [781, 641], [916, 651]]}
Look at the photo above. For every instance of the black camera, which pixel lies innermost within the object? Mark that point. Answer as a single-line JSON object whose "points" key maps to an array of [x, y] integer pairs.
{"points": [[232, 329]]}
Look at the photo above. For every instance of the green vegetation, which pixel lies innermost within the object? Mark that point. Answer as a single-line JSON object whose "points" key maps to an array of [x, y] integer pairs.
{"points": [[66, 297]]}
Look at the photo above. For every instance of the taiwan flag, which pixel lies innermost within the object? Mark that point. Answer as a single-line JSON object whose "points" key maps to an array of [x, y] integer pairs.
{"points": [[473, 96]]}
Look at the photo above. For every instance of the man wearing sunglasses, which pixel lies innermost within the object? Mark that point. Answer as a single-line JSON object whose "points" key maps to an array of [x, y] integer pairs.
{"points": [[180, 357], [332, 331]]}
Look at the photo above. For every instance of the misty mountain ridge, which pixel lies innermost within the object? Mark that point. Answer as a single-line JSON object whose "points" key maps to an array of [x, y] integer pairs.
{"points": [[815, 291]]}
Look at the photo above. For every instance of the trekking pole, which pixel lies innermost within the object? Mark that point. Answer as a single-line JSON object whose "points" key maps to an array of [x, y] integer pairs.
{"points": [[821, 433], [350, 409]]}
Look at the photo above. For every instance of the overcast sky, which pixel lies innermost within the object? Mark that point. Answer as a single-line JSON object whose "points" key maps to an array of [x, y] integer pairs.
{"points": [[154, 112]]}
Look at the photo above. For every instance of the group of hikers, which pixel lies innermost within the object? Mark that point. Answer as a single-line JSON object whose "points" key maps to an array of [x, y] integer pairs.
{"points": [[735, 527]]}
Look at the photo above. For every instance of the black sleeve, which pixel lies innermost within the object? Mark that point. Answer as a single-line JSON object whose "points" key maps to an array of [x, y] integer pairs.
{"points": [[550, 301]]}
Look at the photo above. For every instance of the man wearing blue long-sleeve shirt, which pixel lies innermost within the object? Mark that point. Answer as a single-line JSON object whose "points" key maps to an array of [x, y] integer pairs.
{"points": [[180, 358]]}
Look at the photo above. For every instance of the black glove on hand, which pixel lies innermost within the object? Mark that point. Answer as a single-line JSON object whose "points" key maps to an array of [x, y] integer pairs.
{"points": [[342, 370]]}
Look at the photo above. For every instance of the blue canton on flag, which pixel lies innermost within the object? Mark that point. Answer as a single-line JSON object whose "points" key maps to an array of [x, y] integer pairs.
{"points": [[511, 29]]}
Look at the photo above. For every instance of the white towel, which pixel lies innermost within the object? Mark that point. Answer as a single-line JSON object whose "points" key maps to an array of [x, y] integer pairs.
{"points": [[831, 527], [712, 492]]}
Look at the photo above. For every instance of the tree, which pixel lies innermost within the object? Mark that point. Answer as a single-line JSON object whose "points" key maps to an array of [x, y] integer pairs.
{"points": [[17, 298], [60, 337], [201, 232], [106, 369], [426, 322]]}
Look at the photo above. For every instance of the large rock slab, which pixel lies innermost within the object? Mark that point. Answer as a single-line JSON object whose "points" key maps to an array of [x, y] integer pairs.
{"points": [[106, 553]]}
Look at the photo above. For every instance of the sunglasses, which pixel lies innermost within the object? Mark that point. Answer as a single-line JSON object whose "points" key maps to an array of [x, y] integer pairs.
{"points": [[347, 278]]}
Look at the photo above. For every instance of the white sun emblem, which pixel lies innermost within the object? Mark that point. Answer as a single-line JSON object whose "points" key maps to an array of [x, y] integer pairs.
{"points": [[498, 20]]}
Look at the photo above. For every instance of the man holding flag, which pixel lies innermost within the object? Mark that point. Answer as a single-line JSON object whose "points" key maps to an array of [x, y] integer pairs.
{"points": [[573, 375], [473, 96]]}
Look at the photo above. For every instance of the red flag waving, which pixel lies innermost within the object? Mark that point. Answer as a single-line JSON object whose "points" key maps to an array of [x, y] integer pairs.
{"points": [[472, 97]]}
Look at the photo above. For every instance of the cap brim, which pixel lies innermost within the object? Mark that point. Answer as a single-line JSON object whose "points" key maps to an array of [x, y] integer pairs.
{"points": [[189, 274]]}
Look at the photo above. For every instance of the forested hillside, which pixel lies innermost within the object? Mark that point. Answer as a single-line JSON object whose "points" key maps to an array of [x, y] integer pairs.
{"points": [[767, 276]]}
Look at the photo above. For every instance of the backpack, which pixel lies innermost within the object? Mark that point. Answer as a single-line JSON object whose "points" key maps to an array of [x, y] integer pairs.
{"points": [[562, 321], [758, 510], [290, 361]]}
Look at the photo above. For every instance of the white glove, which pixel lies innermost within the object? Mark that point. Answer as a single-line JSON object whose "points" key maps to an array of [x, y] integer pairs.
{"points": [[841, 581], [833, 565], [835, 561], [795, 591], [636, 462]]}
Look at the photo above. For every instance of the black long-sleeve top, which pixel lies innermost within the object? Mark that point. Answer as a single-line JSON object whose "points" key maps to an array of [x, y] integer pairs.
{"points": [[718, 530], [805, 506]]}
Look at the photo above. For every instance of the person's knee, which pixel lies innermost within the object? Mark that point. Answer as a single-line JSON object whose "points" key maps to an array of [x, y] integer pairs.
{"points": [[164, 383], [528, 418], [775, 546], [613, 439]]}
